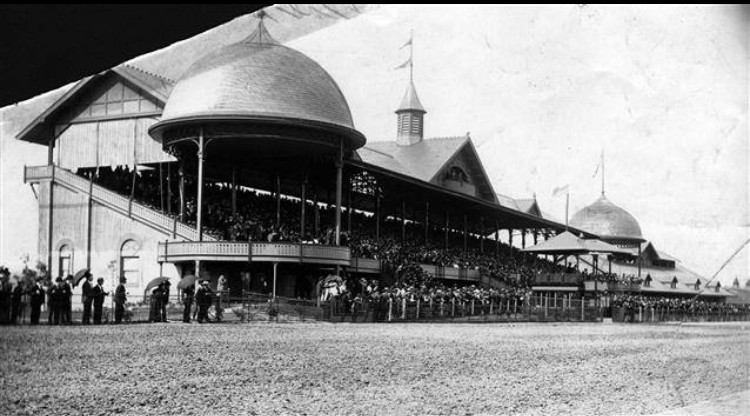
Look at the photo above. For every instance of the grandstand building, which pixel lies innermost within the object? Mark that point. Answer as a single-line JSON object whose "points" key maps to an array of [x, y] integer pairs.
{"points": [[148, 176]]}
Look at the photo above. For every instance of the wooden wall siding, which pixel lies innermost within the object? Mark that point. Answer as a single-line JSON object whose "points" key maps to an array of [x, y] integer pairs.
{"points": [[113, 99], [109, 230], [109, 143]]}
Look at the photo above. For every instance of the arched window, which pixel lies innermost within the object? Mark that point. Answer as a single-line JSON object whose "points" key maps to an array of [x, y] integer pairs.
{"points": [[455, 173], [673, 285], [130, 262], [66, 260]]}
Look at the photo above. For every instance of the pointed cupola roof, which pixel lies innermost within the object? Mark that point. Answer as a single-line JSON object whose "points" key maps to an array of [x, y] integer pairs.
{"points": [[411, 102]]}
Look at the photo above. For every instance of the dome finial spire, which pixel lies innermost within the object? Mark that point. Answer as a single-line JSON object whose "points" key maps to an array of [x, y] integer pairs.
{"points": [[260, 34], [602, 171], [410, 124]]}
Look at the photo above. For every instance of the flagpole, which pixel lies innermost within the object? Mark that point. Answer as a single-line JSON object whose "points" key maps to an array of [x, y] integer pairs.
{"points": [[602, 171], [567, 203], [411, 56]]}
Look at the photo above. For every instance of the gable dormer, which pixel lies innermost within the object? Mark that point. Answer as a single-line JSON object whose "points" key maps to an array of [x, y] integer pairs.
{"points": [[103, 121], [463, 172]]}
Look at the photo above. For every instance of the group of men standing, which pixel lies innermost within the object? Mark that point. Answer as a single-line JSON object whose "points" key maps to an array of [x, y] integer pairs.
{"points": [[58, 296]]}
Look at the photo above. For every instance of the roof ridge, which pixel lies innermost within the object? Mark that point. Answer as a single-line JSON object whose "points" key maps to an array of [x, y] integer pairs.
{"points": [[161, 77], [446, 137], [378, 151]]}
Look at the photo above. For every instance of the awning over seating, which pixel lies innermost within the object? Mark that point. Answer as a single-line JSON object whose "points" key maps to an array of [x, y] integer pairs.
{"points": [[569, 244]]}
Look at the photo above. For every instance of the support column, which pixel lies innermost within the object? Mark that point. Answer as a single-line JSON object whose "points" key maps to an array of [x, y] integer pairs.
{"points": [[316, 211], [278, 201], [510, 242], [466, 233], [447, 226], [426, 222], [377, 213], [275, 274], [523, 238], [497, 240], [639, 259], [339, 184], [536, 237], [403, 221], [201, 148], [234, 191], [181, 186], [89, 222], [481, 238], [169, 187], [161, 187], [349, 211], [50, 221], [303, 200]]}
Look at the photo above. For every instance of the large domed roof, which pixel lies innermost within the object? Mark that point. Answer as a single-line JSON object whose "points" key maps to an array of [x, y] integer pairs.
{"points": [[607, 220], [259, 79]]}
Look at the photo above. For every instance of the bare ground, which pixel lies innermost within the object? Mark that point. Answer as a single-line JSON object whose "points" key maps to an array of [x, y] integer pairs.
{"points": [[374, 369]]}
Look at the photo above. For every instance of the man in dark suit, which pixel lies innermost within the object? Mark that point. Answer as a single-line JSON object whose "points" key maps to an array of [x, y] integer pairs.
{"points": [[37, 300], [18, 305], [187, 302], [66, 291], [203, 299], [53, 302], [67, 300], [88, 299], [98, 295], [120, 299]]}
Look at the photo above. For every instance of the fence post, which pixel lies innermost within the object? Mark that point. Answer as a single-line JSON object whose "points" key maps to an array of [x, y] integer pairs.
{"points": [[472, 306], [403, 308], [418, 302], [442, 307], [583, 313], [491, 303], [390, 309], [453, 308]]}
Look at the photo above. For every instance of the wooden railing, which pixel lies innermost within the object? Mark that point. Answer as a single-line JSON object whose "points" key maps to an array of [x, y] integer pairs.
{"points": [[115, 201], [252, 251]]}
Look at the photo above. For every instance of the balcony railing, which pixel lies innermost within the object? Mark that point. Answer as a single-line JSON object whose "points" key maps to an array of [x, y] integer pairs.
{"points": [[253, 251]]}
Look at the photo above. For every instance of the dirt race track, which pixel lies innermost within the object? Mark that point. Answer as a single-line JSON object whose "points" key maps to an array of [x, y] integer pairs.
{"points": [[375, 369]]}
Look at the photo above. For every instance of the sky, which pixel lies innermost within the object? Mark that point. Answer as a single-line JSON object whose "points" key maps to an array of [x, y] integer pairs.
{"points": [[542, 91]]}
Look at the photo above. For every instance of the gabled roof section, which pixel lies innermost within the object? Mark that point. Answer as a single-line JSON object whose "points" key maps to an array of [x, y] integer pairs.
{"points": [[507, 201], [468, 153], [41, 128], [155, 85], [421, 160], [529, 206]]}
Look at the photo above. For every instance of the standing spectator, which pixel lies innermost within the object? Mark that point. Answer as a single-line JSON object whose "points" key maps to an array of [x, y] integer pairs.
{"points": [[155, 303], [37, 300], [221, 287], [53, 302], [87, 299], [98, 294], [66, 295], [5, 296], [187, 301], [120, 298], [164, 301], [17, 300], [203, 299]]}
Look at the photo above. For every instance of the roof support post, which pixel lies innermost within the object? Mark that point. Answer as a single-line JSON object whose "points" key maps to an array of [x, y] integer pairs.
{"points": [[426, 222], [481, 239], [181, 190], [466, 233], [447, 226], [523, 238], [403, 221], [377, 213], [234, 191], [639, 254], [497, 240], [339, 184], [278, 201], [50, 222], [510, 242], [349, 210], [199, 220], [303, 204]]}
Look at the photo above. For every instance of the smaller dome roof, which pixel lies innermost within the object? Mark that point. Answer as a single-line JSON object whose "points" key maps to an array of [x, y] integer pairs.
{"points": [[607, 220]]}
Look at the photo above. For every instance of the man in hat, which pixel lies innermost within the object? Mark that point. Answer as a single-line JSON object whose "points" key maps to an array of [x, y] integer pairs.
{"points": [[120, 298], [187, 301], [5, 295], [37, 300], [203, 299], [53, 302], [66, 297], [164, 301], [98, 294], [18, 301], [88, 299]]}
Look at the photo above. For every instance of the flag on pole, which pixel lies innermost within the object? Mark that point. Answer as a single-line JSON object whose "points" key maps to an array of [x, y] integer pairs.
{"points": [[560, 189], [405, 64], [598, 165], [408, 42]]}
